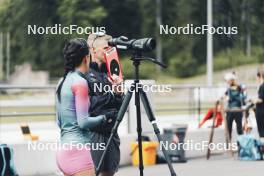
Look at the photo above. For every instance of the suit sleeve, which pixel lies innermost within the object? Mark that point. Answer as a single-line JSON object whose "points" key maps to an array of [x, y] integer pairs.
{"points": [[99, 101], [102, 101], [82, 104]]}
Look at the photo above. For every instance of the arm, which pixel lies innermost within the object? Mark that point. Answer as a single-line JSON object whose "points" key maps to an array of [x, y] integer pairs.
{"points": [[261, 95], [225, 97], [118, 99], [82, 103], [99, 101], [103, 101], [243, 94], [259, 101]]}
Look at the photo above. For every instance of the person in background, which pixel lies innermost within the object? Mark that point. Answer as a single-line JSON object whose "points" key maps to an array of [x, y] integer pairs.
{"points": [[260, 105], [236, 97], [214, 112]]}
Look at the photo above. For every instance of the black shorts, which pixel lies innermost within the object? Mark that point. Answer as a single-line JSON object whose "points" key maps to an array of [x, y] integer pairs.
{"points": [[112, 157]]}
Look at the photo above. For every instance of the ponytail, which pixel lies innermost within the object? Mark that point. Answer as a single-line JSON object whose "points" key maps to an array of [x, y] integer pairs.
{"points": [[73, 52]]}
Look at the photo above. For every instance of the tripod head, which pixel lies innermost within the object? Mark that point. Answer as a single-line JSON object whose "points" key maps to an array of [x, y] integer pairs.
{"points": [[137, 57]]}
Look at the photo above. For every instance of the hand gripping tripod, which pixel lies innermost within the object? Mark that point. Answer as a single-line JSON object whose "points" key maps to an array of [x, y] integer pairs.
{"points": [[139, 94]]}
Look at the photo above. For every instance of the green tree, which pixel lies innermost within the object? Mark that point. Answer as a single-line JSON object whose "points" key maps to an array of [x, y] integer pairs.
{"points": [[45, 51]]}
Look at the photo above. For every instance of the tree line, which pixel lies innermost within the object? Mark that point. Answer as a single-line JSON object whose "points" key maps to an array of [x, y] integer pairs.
{"points": [[184, 54]]}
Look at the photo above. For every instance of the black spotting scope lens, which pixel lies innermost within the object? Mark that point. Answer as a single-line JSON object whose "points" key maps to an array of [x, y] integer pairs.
{"points": [[145, 44]]}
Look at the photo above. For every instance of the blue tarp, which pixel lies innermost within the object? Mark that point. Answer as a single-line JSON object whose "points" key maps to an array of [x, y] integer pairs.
{"points": [[249, 148]]}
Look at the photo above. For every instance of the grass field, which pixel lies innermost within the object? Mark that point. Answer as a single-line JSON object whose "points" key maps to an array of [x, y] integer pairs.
{"points": [[245, 73], [27, 109], [5, 120]]}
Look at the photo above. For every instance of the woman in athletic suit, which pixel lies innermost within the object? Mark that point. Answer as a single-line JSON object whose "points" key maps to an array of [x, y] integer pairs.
{"points": [[72, 107]]}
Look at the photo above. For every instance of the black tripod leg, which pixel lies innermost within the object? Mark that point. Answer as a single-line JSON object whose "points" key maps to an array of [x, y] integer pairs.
{"points": [[120, 116], [152, 119], [139, 130]]}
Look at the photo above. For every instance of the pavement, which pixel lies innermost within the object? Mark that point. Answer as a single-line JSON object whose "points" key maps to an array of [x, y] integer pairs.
{"points": [[219, 165]]}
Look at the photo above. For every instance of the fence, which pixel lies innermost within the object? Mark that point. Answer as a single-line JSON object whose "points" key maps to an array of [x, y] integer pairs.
{"points": [[38, 102]]}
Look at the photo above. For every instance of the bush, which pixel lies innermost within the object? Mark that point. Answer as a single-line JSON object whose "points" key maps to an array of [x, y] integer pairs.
{"points": [[183, 65], [236, 57]]}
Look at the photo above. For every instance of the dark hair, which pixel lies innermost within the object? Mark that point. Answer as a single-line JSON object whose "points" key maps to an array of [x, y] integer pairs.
{"points": [[260, 74], [73, 53]]}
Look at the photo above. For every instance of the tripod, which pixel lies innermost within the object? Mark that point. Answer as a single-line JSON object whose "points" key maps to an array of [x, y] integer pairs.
{"points": [[139, 94]]}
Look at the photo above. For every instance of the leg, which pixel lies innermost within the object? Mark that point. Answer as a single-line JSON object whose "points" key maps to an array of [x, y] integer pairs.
{"points": [[90, 172], [155, 127], [261, 129], [238, 119], [258, 117], [227, 132], [75, 162], [260, 121], [120, 116], [229, 120], [111, 159], [107, 174]]}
